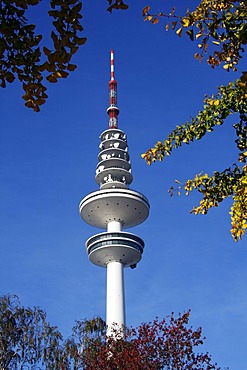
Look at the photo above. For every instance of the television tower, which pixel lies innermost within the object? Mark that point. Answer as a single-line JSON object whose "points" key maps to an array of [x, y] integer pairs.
{"points": [[114, 207]]}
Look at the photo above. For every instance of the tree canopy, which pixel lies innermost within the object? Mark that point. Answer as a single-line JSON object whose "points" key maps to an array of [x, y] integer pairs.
{"points": [[28, 341], [166, 344], [220, 28]]}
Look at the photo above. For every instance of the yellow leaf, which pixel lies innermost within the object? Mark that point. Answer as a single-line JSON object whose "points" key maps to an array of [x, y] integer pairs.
{"points": [[63, 74], [167, 27], [243, 86], [145, 10], [185, 22], [155, 21], [179, 31]]}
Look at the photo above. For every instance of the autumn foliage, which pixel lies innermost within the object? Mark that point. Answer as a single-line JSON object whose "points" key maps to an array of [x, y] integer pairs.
{"points": [[21, 55], [220, 30], [28, 341], [167, 344], [37, 60]]}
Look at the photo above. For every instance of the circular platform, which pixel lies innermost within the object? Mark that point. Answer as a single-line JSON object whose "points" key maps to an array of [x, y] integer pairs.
{"points": [[128, 207], [117, 174], [121, 247]]}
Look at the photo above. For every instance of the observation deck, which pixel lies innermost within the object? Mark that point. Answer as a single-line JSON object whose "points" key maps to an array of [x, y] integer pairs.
{"points": [[126, 206], [122, 247]]}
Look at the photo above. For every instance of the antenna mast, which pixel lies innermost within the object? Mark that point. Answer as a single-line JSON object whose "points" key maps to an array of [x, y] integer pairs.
{"points": [[113, 110]]}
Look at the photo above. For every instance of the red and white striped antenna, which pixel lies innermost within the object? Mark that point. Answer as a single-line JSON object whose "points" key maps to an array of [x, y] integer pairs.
{"points": [[113, 110], [112, 65]]}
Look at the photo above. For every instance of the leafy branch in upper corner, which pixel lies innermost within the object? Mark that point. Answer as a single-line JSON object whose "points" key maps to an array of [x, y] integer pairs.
{"points": [[221, 25], [231, 182], [21, 55]]}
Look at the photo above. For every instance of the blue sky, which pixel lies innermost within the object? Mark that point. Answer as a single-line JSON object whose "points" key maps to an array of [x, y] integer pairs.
{"points": [[48, 163]]}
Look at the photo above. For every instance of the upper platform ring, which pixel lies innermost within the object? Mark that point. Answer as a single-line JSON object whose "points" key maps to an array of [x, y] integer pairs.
{"points": [[128, 207]]}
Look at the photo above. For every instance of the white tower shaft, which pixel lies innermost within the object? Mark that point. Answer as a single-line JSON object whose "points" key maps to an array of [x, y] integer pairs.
{"points": [[115, 305]]}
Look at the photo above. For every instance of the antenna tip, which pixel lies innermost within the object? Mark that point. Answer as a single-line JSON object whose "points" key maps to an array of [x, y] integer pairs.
{"points": [[112, 65]]}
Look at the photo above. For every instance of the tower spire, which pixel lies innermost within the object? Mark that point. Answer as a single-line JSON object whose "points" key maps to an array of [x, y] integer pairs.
{"points": [[112, 65], [113, 110]]}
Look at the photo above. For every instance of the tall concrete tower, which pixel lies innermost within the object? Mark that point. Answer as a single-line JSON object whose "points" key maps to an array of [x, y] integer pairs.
{"points": [[114, 208]]}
